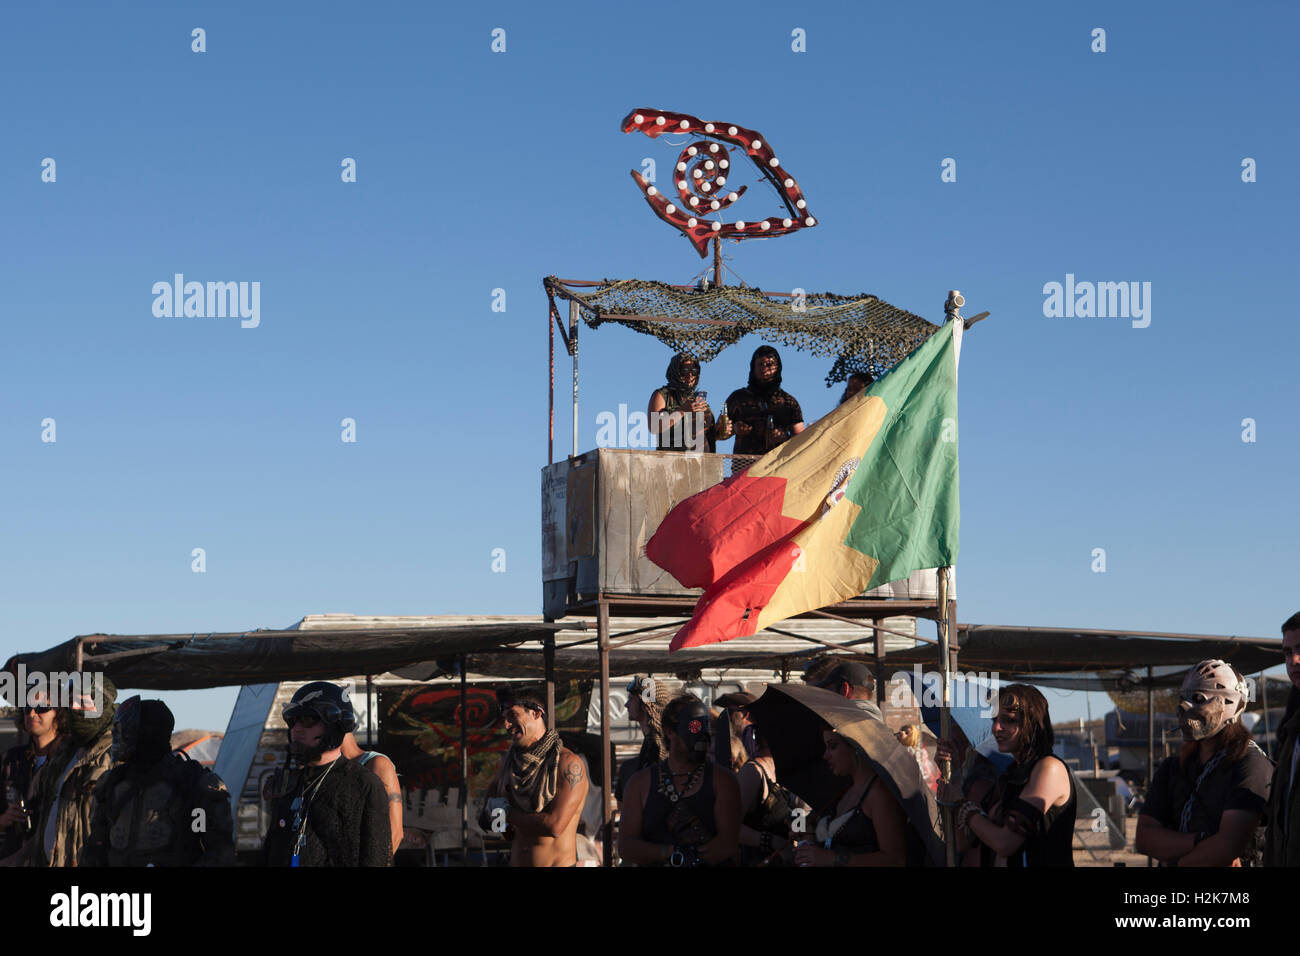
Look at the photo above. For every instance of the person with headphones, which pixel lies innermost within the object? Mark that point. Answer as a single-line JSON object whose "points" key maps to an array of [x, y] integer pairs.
{"points": [[326, 810], [684, 810]]}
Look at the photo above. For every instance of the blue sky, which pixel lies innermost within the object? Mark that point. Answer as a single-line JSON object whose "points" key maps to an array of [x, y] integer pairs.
{"points": [[479, 171]]}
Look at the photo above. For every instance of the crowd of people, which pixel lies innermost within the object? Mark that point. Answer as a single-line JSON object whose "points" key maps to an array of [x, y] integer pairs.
{"points": [[97, 784]]}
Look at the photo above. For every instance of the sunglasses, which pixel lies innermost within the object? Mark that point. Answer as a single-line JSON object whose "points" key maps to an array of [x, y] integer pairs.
{"points": [[35, 710], [311, 715]]}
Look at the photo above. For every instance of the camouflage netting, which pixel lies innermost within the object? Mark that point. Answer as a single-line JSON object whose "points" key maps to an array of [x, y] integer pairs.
{"points": [[863, 333]]}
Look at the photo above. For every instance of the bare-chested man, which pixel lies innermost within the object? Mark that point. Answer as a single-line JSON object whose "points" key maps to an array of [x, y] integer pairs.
{"points": [[543, 786], [382, 768]]}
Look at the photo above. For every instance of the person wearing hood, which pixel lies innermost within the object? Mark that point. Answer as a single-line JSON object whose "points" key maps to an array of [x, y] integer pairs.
{"points": [[763, 415], [679, 415], [64, 801], [155, 807]]}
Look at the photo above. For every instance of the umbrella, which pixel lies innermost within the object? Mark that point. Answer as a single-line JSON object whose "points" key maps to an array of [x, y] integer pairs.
{"points": [[791, 718]]}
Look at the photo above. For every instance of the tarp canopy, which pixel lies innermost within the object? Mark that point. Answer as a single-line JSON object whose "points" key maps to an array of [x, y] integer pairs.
{"points": [[863, 332], [190, 661]]}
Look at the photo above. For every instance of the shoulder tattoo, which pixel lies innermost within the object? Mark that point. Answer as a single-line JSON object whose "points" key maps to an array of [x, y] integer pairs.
{"points": [[573, 772]]}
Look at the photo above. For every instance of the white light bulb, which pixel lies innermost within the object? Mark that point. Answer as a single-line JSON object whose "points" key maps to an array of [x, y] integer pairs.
{"points": [[765, 225], [638, 119], [722, 180], [733, 197], [757, 144], [691, 151], [715, 205], [717, 226], [773, 162], [723, 163], [708, 127], [697, 173], [801, 204], [713, 147], [660, 121], [670, 209], [709, 164], [810, 221], [692, 222], [652, 191], [685, 124], [787, 223], [789, 184], [681, 184], [681, 167], [740, 224], [694, 201], [705, 186], [731, 130]]}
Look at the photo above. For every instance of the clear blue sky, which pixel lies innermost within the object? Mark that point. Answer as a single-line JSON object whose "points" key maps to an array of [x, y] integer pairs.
{"points": [[479, 170]]}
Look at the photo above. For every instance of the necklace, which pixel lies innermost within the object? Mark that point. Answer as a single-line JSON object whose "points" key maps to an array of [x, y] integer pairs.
{"points": [[301, 806], [666, 781]]}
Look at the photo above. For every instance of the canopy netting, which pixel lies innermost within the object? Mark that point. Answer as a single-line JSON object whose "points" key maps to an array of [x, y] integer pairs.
{"points": [[863, 333]]}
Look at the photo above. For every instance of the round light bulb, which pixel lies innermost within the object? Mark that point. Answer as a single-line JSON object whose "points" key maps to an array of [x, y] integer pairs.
{"points": [[787, 223], [638, 119], [681, 167], [708, 127], [705, 186], [685, 124], [733, 197], [660, 121], [691, 151], [709, 164], [713, 147], [717, 226], [722, 180], [789, 184], [757, 144], [740, 224], [670, 209], [773, 162], [692, 222], [731, 130], [715, 205], [652, 191], [810, 221], [723, 163], [801, 204], [765, 225], [694, 201]]}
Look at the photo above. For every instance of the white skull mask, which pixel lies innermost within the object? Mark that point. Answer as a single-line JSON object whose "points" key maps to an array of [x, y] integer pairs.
{"points": [[1212, 696]]}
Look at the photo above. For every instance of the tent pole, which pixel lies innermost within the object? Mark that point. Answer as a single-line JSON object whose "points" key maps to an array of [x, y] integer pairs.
{"points": [[880, 664], [1151, 735], [606, 775], [371, 723], [551, 319], [464, 766], [548, 656], [945, 718]]}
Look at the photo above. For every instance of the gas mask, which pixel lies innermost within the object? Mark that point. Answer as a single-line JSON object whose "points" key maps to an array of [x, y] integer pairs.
{"points": [[1212, 696], [693, 728], [85, 726]]}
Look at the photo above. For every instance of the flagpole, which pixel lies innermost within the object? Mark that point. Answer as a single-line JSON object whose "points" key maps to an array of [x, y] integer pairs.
{"points": [[945, 717]]}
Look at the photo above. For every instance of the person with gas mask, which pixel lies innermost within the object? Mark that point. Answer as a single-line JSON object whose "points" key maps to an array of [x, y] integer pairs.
{"points": [[326, 810], [155, 807], [64, 800], [1203, 808], [684, 810]]}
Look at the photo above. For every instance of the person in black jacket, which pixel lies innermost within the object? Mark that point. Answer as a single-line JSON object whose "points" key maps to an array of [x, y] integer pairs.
{"points": [[326, 810]]}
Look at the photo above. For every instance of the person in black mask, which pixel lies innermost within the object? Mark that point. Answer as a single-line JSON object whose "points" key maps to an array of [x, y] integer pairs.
{"points": [[678, 414], [685, 810], [64, 801], [762, 414], [157, 808], [326, 810]]}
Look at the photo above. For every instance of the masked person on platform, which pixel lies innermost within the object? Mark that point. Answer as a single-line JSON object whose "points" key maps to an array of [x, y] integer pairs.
{"points": [[1204, 805], [679, 416], [43, 725], [1282, 843], [64, 801], [684, 810], [762, 415], [155, 807], [383, 768], [326, 809], [1027, 818], [540, 786], [646, 700]]}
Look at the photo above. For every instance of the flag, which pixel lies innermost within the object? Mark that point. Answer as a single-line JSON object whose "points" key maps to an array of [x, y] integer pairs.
{"points": [[865, 496]]}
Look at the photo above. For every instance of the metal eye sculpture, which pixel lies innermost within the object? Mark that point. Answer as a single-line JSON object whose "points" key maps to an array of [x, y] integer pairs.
{"points": [[700, 180]]}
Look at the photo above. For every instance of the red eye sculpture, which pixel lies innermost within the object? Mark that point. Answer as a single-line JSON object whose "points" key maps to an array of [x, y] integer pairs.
{"points": [[700, 180]]}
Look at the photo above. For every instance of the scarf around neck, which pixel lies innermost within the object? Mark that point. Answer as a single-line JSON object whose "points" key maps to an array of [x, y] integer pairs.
{"points": [[533, 773]]}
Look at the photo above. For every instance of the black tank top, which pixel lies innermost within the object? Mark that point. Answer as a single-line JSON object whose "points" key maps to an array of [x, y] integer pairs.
{"points": [[1052, 842], [688, 822]]}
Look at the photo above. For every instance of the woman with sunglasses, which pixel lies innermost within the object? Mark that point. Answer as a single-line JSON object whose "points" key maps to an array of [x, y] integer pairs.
{"points": [[1027, 818], [678, 413], [44, 727]]}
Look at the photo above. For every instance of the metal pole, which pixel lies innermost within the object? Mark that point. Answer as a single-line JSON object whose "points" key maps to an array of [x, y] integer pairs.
{"points": [[945, 718], [573, 347], [717, 262], [880, 666], [464, 766], [1151, 736], [370, 710], [548, 656], [550, 430], [606, 774], [1263, 699]]}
